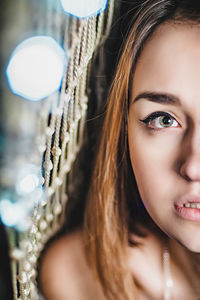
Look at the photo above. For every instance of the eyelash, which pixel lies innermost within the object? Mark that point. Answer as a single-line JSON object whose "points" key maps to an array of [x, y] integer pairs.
{"points": [[147, 121]]}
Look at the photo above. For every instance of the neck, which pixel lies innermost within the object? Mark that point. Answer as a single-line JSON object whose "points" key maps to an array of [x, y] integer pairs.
{"points": [[185, 265]]}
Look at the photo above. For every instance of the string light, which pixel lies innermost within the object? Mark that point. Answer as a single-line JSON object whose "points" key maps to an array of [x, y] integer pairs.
{"points": [[36, 68], [84, 9]]}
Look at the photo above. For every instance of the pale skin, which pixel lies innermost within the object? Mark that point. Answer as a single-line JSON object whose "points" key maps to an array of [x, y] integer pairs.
{"points": [[165, 156]]}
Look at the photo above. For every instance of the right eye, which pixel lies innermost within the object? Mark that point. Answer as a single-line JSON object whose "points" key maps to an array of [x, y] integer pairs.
{"points": [[160, 120]]}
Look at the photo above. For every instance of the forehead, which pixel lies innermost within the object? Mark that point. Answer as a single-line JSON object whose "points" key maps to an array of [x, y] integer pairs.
{"points": [[170, 61]]}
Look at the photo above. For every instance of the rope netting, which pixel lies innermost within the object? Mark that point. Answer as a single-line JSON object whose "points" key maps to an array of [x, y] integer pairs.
{"points": [[60, 130]]}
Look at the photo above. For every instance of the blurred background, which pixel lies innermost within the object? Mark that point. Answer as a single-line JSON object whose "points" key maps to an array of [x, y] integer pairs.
{"points": [[46, 48]]}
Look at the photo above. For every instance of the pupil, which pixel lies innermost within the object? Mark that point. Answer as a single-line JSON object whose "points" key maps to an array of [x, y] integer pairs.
{"points": [[166, 121]]}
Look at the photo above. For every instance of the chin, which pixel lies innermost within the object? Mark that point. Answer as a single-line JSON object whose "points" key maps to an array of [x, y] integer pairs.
{"points": [[188, 238], [193, 248], [193, 245]]}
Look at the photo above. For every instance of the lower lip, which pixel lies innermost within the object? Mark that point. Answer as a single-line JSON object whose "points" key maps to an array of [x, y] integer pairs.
{"points": [[192, 214]]}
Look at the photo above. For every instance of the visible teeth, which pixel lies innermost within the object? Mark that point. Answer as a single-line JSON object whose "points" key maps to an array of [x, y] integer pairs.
{"points": [[192, 205]]}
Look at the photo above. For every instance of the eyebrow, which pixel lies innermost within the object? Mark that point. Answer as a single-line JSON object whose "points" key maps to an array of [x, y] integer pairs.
{"points": [[162, 98]]}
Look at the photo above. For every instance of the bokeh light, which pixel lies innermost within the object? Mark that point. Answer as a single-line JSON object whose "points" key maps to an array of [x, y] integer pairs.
{"points": [[36, 67], [11, 213], [84, 9], [28, 180], [17, 202]]}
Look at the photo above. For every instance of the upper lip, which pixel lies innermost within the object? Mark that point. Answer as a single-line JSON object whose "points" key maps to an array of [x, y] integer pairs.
{"points": [[188, 198]]}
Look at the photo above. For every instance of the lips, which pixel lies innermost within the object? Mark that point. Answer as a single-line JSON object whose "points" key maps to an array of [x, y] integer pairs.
{"points": [[187, 199], [188, 207]]}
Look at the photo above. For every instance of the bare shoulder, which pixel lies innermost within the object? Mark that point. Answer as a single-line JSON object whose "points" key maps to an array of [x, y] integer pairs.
{"points": [[64, 273]]}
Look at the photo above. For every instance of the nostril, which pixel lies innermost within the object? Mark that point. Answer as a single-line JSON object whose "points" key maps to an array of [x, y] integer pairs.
{"points": [[186, 177]]}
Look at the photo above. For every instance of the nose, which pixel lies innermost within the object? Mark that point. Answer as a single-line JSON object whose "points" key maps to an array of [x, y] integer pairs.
{"points": [[190, 167]]}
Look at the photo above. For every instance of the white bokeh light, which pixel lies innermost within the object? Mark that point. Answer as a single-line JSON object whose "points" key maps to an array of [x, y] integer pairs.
{"points": [[18, 201], [36, 68], [11, 213], [84, 9], [27, 179]]}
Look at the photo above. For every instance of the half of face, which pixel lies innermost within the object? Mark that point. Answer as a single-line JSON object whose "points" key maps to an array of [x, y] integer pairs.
{"points": [[164, 131]]}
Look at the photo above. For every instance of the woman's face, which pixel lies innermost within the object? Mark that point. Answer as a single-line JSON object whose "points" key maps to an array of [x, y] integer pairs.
{"points": [[164, 131]]}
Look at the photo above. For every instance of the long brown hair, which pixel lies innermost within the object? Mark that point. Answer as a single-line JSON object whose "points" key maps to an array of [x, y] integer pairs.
{"points": [[113, 202]]}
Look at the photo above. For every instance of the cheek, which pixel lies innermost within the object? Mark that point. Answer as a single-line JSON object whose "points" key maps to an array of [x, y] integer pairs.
{"points": [[153, 157]]}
